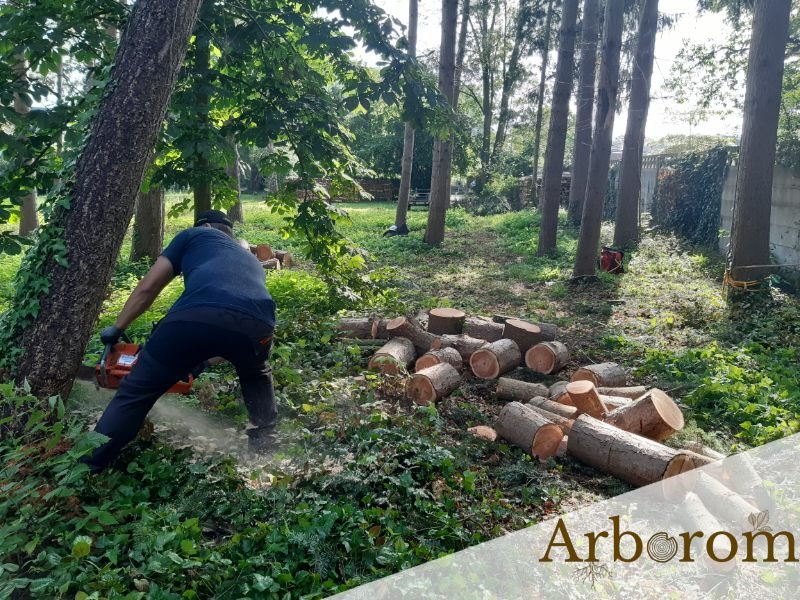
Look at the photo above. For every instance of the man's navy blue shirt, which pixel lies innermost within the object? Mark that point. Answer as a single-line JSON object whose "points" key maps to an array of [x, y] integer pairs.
{"points": [[218, 272]]}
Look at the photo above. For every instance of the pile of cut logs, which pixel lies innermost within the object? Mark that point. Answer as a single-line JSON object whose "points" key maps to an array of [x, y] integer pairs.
{"points": [[269, 258], [595, 417]]}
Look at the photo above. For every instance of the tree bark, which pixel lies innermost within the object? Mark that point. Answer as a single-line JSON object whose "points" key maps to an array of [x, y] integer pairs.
{"points": [[520, 391], [427, 386], [436, 357], [558, 393], [528, 429], [557, 133], [547, 357], [483, 328], [567, 412], [762, 101], [112, 165], [394, 356], [600, 160], [632, 392], [602, 374], [526, 334], [443, 147], [443, 321], [407, 162], [626, 229], [235, 212], [654, 416], [495, 359], [585, 398], [537, 135], [148, 225], [363, 328], [628, 456], [563, 423], [583, 118], [28, 215]]}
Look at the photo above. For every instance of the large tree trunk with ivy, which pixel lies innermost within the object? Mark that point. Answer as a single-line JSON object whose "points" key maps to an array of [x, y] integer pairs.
{"points": [[751, 211], [148, 225], [583, 118], [600, 160], [626, 229], [537, 133], [202, 164], [408, 135], [443, 147], [557, 133], [78, 248], [28, 215]]}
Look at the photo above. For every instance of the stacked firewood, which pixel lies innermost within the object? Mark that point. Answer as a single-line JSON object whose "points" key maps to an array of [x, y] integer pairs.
{"points": [[269, 258]]}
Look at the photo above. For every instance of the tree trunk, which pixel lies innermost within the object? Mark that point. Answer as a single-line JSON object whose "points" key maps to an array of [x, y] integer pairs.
{"points": [[427, 386], [235, 212], [567, 412], [363, 328], [442, 147], [394, 356], [537, 135], [520, 391], [628, 456], [487, 90], [558, 393], [148, 225], [408, 135], [460, 53], [600, 160], [202, 164], [443, 321], [557, 133], [528, 429], [583, 119], [602, 374], [632, 392], [654, 416], [762, 101], [526, 334], [483, 328], [585, 398], [626, 229], [28, 215], [409, 328], [436, 357], [547, 357], [727, 504], [465, 344], [563, 423], [112, 165], [495, 359]]}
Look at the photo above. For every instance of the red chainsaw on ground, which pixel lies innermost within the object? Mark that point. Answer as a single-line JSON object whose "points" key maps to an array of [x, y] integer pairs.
{"points": [[117, 361]]}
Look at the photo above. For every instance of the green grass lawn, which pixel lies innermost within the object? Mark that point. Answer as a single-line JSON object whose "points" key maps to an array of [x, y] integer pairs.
{"points": [[365, 485]]}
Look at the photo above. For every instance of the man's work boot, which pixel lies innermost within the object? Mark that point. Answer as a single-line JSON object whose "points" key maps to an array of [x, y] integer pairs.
{"points": [[261, 441]]}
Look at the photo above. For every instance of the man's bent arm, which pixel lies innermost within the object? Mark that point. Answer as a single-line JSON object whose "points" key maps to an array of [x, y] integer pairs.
{"points": [[145, 293]]}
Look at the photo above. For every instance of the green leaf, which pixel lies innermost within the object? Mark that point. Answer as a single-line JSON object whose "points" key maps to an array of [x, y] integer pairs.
{"points": [[81, 546]]}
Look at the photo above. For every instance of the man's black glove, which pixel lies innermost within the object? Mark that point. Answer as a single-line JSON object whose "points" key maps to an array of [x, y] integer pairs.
{"points": [[111, 334]]}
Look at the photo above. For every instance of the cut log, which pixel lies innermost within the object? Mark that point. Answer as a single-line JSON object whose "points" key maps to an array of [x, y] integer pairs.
{"points": [[741, 476], [496, 358], [547, 357], [435, 357], [410, 329], [272, 264], [394, 356], [604, 374], [558, 393], [519, 391], [285, 257], [562, 447], [434, 383], [264, 252], [528, 334], [374, 344], [564, 423], [483, 329], [465, 344], [633, 392], [705, 451], [726, 503], [443, 321], [585, 398], [695, 516], [363, 328], [568, 412], [628, 456], [654, 416], [483, 432], [244, 244], [614, 402], [529, 430]]}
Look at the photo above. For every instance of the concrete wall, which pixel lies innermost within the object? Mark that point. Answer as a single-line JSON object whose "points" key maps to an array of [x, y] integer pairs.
{"points": [[784, 217]]}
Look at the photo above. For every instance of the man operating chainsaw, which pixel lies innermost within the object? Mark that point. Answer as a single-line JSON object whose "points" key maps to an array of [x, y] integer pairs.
{"points": [[225, 310]]}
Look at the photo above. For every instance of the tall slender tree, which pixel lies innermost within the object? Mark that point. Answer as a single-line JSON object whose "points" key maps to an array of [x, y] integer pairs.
{"points": [[236, 211], [408, 134], [461, 51], [112, 164], [751, 212], [600, 160], [28, 216], [442, 146], [626, 230], [585, 101], [557, 133], [147, 240], [537, 133], [202, 148]]}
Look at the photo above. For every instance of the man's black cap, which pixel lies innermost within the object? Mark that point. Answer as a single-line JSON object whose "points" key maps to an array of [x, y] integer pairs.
{"points": [[213, 216]]}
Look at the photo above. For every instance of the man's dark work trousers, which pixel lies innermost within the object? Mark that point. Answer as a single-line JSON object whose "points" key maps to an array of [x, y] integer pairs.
{"points": [[180, 342]]}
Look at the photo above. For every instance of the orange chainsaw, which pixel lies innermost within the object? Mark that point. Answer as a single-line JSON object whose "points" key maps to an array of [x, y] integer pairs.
{"points": [[117, 361]]}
